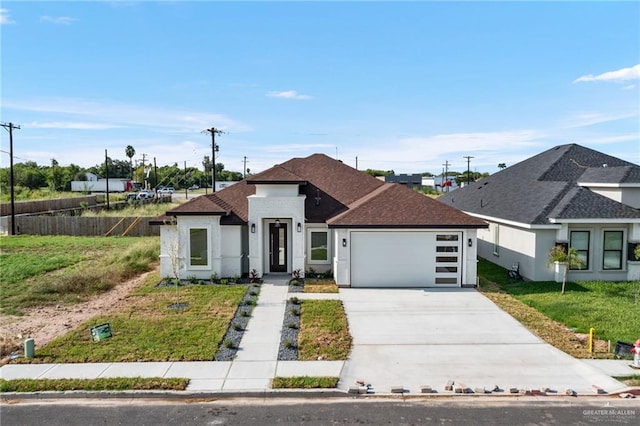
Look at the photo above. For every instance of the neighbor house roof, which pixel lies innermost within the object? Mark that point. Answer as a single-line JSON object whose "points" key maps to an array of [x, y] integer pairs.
{"points": [[546, 187], [336, 194]]}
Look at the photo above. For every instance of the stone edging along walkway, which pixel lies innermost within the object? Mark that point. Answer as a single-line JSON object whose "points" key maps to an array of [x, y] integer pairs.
{"points": [[230, 343]]}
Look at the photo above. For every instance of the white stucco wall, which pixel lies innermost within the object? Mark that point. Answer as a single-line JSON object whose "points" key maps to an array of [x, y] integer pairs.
{"points": [[273, 202], [168, 245], [231, 251]]}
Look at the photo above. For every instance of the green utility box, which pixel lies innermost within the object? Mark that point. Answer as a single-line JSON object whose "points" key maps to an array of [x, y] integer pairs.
{"points": [[101, 332]]}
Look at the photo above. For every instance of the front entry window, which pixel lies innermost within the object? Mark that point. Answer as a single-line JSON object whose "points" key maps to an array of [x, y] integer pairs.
{"points": [[198, 248], [612, 255]]}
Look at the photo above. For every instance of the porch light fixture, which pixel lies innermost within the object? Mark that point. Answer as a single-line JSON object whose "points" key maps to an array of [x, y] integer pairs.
{"points": [[299, 227], [253, 228], [470, 242], [277, 223], [344, 242]]}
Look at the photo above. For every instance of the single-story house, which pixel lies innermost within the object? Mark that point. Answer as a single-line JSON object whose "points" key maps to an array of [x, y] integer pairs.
{"points": [[569, 195], [318, 213]]}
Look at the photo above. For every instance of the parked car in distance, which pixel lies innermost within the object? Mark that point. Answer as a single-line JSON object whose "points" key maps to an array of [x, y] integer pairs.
{"points": [[131, 196], [194, 187], [165, 191], [143, 195]]}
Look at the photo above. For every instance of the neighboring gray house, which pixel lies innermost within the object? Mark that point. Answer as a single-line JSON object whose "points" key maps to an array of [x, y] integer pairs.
{"points": [[317, 212], [413, 181], [569, 195]]}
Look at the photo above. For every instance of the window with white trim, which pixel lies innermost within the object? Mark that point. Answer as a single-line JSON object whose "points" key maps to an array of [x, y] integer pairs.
{"points": [[613, 244], [318, 247], [198, 247], [579, 241]]}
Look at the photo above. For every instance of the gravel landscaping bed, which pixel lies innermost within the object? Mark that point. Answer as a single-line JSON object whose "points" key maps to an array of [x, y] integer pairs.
{"points": [[296, 286], [231, 342], [288, 350]]}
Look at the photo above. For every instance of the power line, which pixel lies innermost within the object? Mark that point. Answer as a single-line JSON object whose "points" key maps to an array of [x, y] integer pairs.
{"points": [[468, 157], [214, 148]]}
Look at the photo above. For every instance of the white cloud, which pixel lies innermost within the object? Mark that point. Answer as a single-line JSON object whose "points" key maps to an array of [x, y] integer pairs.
{"points": [[5, 18], [618, 76], [127, 115], [288, 94], [72, 125], [59, 20], [630, 87], [590, 119]]}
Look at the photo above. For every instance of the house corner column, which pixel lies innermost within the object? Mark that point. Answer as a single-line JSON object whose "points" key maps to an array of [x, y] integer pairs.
{"points": [[341, 260]]}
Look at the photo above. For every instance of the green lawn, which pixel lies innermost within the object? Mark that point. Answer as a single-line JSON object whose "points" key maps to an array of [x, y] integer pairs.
{"points": [[100, 384], [151, 330], [323, 331], [39, 270], [609, 307]]}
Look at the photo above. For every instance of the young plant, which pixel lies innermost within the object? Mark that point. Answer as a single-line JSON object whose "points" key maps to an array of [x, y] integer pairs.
{"points": [[566, 258], [254, 276], [214, 278], [224, 281], [297, 274], [294, 300]]}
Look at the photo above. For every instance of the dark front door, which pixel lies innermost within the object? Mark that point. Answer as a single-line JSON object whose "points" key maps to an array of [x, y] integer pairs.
{"points": [[278, 247]]}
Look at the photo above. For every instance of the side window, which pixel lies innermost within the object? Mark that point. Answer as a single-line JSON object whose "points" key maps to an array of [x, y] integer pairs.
{"points": [[613, 245], [319, 247], [580, 242], [198, 247]]}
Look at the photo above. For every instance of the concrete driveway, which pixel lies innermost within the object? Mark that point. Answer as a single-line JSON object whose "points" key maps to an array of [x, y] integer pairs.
{"points": [[413, 337]]}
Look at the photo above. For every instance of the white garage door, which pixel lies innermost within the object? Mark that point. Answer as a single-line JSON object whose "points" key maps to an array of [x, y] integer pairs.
{"points": [[406, 259]]}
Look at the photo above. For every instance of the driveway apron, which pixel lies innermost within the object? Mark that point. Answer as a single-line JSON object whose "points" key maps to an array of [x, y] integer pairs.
{"points": [[416, 337]]}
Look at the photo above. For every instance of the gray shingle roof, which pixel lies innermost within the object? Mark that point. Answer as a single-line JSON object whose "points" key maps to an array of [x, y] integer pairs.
{"points": [[546, 185]]}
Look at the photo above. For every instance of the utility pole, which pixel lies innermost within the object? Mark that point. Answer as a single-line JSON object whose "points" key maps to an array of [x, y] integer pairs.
{"points": [[468, 157], [186, 191], [155, 175], [356, 162], [445, 182], [106, 172], [144, 174], [214, 149], [244, 168], [10, 128]]}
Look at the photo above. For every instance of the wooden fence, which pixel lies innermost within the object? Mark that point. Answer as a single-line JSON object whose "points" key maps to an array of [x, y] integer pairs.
{"points": [[39, 206], [85, 226]]}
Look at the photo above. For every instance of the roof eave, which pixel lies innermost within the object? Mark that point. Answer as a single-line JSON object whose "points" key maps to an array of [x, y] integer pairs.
{"points": [[406, 226]]}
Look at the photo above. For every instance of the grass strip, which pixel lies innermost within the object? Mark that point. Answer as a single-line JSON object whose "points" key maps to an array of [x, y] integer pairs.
{"points": [[99, 384], [324, 332], [304, 382], [315, 285], [633, 380]]}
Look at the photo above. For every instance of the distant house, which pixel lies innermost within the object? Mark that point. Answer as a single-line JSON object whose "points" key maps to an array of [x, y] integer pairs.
{"points": [[413, 181], [569, 195], [318, 213]]}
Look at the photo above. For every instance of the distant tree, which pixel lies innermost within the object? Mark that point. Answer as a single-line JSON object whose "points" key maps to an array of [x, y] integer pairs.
{"points": [[426, 174], [502, 166], [130, 152], [474, 176], [376, 173], [565, 258], [56, 175]]}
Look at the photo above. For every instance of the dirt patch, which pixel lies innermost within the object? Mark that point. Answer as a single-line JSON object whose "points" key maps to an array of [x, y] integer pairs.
{"points": [[44, 324]]}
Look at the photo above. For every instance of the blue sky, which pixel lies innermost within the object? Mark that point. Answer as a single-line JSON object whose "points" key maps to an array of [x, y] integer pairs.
{"points": [[402, 86]]}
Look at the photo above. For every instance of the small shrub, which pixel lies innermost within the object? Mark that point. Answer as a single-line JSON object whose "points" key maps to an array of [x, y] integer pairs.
{"points": [[250, 302], [292, 325], [289, 344], [235, 279], [245, 314], [297, 274], [237, 327], [192, 279], [295, 282], [201, 282], [228, 344], [253, 293], [311, 273], [294, 312], [224, 281], [253, 275], [213, 277], [294, 300]]}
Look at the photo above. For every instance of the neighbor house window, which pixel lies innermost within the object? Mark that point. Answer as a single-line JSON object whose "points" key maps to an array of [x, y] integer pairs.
{"points": [[580, 242], [198, 247], [612, 255], [319, 247]]}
